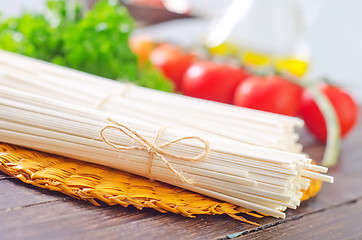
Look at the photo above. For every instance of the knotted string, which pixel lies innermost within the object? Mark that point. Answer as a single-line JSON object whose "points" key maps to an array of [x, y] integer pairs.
{"points": [[154, 149]]}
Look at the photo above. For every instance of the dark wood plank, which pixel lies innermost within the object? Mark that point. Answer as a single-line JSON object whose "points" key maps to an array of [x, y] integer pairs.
{"points": [[73, 219], [15, 194], [342, 222]]}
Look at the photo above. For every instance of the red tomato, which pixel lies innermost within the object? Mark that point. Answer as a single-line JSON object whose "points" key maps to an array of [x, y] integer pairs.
{"points": [[345, 107], [271, 93], [141, 46], [172, 61], [212, 81]]}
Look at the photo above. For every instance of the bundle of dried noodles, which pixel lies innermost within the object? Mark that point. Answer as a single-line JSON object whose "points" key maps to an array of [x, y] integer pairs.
{"points": [[242, 156]]}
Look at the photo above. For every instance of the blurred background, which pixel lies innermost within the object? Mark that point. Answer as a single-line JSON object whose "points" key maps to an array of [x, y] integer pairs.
{"points": [[323, 36]]}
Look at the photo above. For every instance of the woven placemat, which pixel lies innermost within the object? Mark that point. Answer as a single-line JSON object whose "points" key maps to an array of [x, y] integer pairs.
{"points": [[96, 183]]}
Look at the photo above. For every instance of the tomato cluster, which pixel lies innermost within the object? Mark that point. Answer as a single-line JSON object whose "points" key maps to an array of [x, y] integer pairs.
{"points": [[224, 83]]}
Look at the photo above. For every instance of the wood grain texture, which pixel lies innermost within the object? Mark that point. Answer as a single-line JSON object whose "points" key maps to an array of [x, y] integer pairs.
{"points": [[15, 194], [72, 219], [340, 222], [33, 213]]}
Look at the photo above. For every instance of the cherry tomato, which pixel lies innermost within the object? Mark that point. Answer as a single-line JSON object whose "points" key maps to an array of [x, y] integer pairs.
{"points": [[269, 93], [141, 46], [346, 109], [172, 61], [212, 81]]}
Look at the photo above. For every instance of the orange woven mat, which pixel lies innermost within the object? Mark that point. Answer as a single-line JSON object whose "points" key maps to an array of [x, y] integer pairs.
{"points": [[95, 183]]}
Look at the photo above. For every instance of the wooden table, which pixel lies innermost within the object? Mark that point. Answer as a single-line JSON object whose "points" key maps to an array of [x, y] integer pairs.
{"points": [[28, 212]]}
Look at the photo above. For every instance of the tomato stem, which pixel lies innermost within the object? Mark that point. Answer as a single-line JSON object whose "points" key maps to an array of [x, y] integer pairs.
{"points": [[331, 152], [263, 71]]}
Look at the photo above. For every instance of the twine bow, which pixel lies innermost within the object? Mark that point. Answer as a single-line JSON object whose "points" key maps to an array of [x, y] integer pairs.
{"points": [[154, 149]]}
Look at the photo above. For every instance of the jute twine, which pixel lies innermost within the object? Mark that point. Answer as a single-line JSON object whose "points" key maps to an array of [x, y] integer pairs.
{"points": [[155, 149]]}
